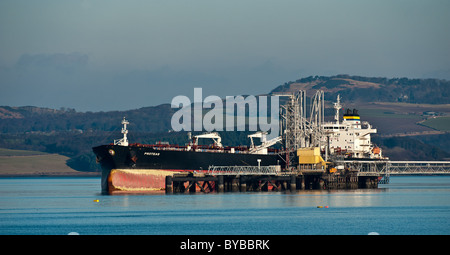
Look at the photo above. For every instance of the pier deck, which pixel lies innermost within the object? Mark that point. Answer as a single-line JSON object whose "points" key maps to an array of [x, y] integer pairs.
{"points": [[206, 183]]}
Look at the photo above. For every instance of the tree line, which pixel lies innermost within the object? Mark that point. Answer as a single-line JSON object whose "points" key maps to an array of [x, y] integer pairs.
{"points": [[420, 91]]}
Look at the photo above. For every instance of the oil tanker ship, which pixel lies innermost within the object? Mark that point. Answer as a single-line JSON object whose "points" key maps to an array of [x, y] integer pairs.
{"points": [[143, 167]]}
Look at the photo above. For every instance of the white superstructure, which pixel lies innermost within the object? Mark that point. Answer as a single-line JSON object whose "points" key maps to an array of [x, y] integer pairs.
{"points": [[351, 137]]}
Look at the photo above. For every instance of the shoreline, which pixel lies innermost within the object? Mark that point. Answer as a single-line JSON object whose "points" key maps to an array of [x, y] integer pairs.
{"points": [[87, 174]]}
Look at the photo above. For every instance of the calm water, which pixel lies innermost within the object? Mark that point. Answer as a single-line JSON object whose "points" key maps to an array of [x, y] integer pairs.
{"points": [[58, 206]]}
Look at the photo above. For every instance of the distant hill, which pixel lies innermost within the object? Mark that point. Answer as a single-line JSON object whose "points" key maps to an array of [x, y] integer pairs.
{"points": [[371, 89], [354, 91], [403, 110], [36, 119], [32, 163]]}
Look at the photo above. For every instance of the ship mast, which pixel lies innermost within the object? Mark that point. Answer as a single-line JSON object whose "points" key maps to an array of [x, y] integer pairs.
{"points": [[124, 140], [338, 107]]}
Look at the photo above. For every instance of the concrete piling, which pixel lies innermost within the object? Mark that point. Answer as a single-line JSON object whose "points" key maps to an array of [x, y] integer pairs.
{"points": [[220, 185], [242, 184], [293, 184], [235, 184], [169, 184]]}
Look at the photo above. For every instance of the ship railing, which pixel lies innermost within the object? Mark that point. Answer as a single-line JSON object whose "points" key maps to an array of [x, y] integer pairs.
{"points": [[244, 170]]}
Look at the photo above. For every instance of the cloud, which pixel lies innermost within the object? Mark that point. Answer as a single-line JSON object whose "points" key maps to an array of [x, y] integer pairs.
{"points": [[56, 61], [49, 80]]}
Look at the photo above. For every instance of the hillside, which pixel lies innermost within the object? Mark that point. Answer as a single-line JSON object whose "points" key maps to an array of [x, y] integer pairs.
{"points": [[370, 89], [35, 163], [35, 119], [374, 97], [411, 115]]}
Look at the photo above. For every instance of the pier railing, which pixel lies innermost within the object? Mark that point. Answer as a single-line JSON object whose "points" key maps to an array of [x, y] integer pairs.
{"points": [[419, 167], [366, 167], [244, 170], [385, 169]]}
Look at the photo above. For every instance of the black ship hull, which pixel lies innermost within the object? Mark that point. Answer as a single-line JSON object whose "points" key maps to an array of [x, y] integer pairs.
{"points": [[140, 159]]}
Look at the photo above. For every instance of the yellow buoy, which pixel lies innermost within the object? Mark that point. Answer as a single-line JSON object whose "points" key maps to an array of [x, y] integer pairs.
{"points": [[96, 200], [319, 206]]}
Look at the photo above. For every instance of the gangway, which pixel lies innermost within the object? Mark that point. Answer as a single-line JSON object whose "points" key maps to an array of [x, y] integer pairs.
{"points": [[419, 167], [244, 170], [386, 168]]}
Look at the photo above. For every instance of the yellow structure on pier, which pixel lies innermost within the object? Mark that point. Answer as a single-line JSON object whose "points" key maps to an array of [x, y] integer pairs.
{"points": [[310, 156]]}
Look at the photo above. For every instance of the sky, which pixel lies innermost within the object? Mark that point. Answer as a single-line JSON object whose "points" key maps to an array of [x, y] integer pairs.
{"points": [[104, 55]]}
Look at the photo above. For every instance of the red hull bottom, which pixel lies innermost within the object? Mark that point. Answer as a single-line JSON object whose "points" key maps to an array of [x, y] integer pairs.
{"points": [[140, 180], [148, 181]]}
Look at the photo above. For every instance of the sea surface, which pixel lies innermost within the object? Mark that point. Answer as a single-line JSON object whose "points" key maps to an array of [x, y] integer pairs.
{"points": [[409, 205]]}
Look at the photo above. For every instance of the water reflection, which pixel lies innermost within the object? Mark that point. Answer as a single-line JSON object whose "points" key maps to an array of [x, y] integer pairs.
{"points": [[333, 198], [59, 206]]}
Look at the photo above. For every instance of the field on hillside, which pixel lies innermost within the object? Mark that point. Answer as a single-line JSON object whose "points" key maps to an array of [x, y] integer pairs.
{"points": [[398, 118], [34, 163], [438, 123]]}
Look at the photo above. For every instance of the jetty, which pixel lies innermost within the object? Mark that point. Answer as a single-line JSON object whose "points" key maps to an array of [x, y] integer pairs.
{"points": [[356, 174], [254, 181]]}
